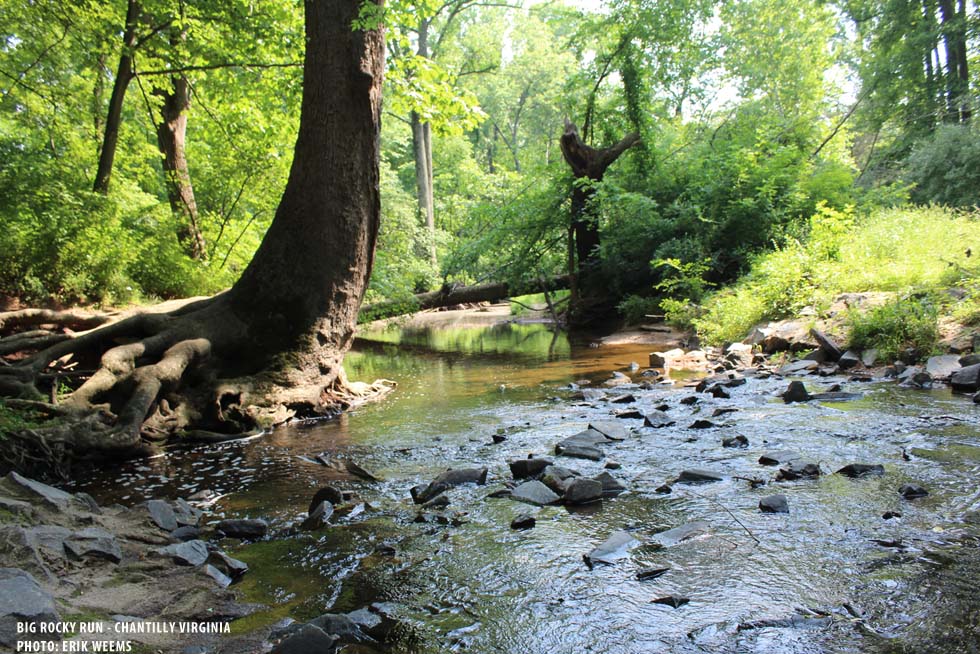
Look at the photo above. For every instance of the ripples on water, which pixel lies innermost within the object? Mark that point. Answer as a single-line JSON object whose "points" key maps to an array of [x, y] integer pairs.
{"points": [[756, 582]]}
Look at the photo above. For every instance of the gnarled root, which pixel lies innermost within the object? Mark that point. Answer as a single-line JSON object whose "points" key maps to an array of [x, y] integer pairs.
{"points": [[194, 369]]}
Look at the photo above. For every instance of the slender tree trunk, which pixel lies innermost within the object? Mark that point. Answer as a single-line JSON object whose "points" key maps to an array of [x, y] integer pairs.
{"points": [[949, 31], [422, 149], [171, 137], [423, 184], [124, 75], [966, 108], [301, 292]]}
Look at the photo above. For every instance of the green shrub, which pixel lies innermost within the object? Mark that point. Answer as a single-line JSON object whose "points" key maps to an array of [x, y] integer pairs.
{"points": [[945, 167], [635, 309], [907, 328]]}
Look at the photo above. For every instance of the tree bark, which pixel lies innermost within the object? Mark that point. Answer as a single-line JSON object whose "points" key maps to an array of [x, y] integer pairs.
{"points": [[588, 165], [171, 137], [300, 295], [124, 75], [422, 149]]}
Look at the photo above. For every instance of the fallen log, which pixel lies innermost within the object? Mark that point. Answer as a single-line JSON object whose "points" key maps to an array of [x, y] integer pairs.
{"points": [[451, 294]]}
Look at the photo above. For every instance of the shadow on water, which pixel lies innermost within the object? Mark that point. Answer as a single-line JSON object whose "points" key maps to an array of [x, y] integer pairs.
{"points": [[830, 576]]}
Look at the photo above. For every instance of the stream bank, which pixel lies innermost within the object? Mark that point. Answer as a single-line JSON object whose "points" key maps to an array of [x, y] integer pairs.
{"points": [[832, 575]]}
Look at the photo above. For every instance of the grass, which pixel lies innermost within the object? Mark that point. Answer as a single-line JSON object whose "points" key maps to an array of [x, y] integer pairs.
{"points": [[907, 251]]}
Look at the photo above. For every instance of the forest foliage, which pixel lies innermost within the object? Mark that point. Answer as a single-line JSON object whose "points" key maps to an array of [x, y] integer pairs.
{"points": [[776, 135]]}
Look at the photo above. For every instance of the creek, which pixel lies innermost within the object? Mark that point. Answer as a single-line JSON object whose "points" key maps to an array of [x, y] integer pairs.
{"points": [[832, 575]]}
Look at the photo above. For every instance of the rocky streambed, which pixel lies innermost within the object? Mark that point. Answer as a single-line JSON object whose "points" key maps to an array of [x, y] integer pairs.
{"points": [[762, 505]]}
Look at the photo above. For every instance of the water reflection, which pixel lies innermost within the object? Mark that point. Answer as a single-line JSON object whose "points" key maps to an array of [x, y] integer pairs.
{"points": [[756, 582]]}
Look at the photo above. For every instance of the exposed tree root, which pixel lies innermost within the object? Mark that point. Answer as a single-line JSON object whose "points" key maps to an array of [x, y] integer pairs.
{"points": [[194, 369]]}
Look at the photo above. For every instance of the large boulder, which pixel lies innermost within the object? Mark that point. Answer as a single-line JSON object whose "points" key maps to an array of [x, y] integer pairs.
{"points": [[856, 470], [583, 491], [942, 367], [22, 600], [795, 392], [50, 495], [827, 344], [192, 553], [966, 379]]}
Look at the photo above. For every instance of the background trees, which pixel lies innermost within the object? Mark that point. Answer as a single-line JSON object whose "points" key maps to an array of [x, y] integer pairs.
{"points": [[751, 113]]}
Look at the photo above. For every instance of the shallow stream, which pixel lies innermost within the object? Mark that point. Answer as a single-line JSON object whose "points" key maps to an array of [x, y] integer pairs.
{"points": [[832, 575]]}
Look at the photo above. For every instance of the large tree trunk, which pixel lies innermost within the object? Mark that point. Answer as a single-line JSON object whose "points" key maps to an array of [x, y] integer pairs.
{"points": [[270, 348], [171, 137], [589, 165], [124, 75]]}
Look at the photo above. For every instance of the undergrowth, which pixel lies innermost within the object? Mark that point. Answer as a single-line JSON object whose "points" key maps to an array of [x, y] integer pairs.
{"points": [[908, 251]]}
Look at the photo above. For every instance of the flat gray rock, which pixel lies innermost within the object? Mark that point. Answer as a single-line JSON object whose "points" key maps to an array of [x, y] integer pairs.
{"points": [[534, 492], [611, 429], [219, 577], [162, 514], [192, 553], [613, 548], [56, 497], [22, 600], [801, 367], [697, 476], [658, 419], [93, 542], [580, 452], [679, 534], [227, 564]]}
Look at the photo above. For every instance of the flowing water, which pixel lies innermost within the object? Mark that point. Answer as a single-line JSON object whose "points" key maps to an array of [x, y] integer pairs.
{"points": [[831, 576]]}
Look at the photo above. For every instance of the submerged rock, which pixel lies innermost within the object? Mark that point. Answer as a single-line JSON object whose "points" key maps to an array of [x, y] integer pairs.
{"points": [[612, 549], [673, 601], [735, 441], [697, 476], [774, 504], [855, 470], [702, 424], [534, 492], [523, 521], [672, 537], [341, 626], [798, 470], [912, 491], [651, 573], [450, 479], [776, 458]]}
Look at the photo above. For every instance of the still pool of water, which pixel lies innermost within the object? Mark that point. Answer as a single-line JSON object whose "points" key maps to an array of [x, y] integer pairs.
{"points": [[830, 576]]}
